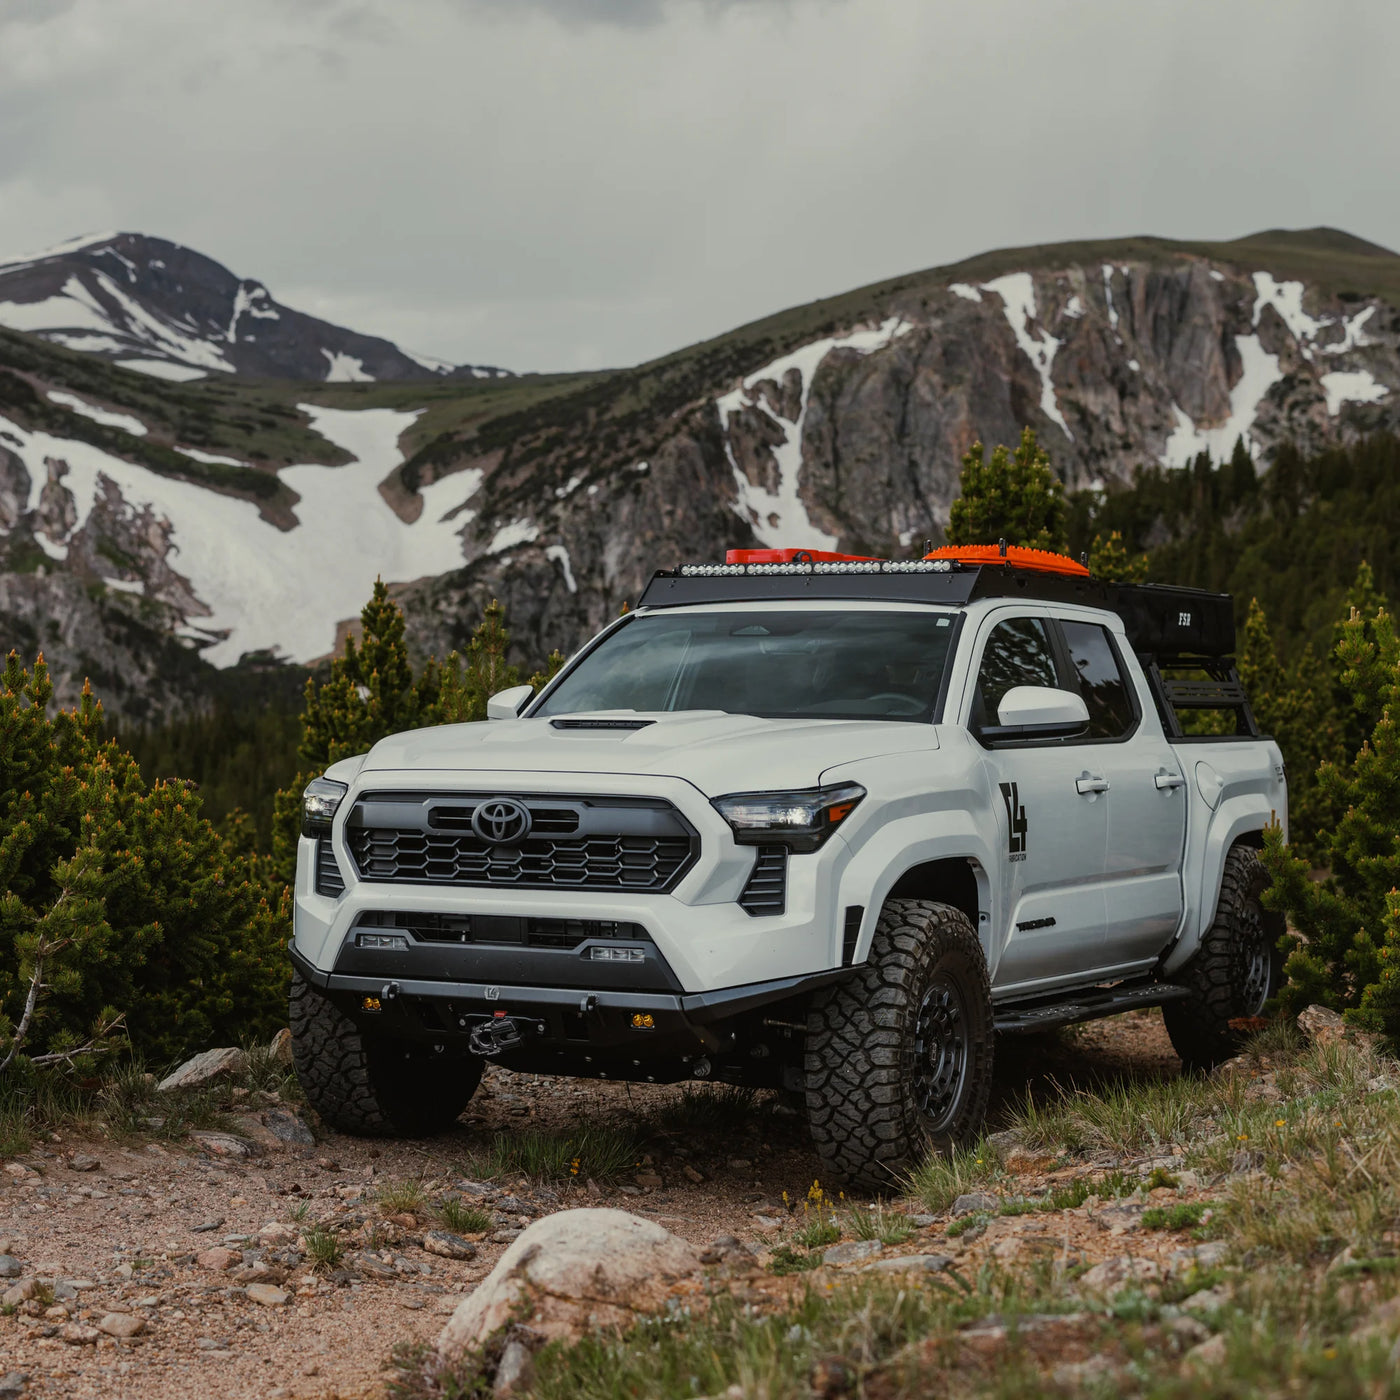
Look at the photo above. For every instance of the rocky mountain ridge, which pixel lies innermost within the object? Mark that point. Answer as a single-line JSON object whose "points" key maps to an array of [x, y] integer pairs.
{"points": [[840, 424], [166, 310]]}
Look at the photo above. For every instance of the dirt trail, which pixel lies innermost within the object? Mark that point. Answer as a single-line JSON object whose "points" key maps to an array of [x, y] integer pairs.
{"points": [[121, 1237]]}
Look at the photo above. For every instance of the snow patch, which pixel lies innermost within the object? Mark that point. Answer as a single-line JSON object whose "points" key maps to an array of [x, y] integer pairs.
{"points": [[1287, 299], [345, 369], [1017, 293], [1358, 386], [163, 369], [1216, 276], [1075, 308], [1134, 366], [71, 310], [568, 489], [446, 499], [87, 341], [1108, 294], [430, 362], [1260, 373], [967, 293], [779, 519], [246, 570], [72, 245], [212, 458], [161, 335], [105, 416], [517, 532], [557, 554], [1353, 337], [249, 299]]}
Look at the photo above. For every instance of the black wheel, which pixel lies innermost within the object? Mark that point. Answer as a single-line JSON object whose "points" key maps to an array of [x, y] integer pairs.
{"points": [[371, 1085], [1237, 968], [899, 1057]]}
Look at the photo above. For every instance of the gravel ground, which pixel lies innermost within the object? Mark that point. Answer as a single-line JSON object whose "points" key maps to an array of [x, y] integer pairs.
{"points": [[127, 1243]]}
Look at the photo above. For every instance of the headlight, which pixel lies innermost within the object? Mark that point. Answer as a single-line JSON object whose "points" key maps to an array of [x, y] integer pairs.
{"points": [[801, 820], [318, 805]]}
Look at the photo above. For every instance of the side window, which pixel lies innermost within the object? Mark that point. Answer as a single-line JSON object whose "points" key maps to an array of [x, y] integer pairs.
{"points": [[1018, 652], [1101, 681]]}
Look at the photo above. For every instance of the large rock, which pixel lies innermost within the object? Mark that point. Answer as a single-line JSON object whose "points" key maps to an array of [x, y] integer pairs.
{"points": [[1325, 1027], [573, 1272], [204, 1069]]}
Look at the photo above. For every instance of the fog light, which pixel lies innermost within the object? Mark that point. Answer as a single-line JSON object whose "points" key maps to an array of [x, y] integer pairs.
{"points": [[381, 940], [371, 1004], [601, 954], [643, 1021]]}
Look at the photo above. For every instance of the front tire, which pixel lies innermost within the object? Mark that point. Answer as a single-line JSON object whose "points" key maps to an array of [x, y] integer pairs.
{"points": [[899, 1057], [373, 1085], [1235, 971]]}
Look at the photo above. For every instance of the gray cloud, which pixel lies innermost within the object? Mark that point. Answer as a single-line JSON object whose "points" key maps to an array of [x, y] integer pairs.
{"points": [[564, 183]]}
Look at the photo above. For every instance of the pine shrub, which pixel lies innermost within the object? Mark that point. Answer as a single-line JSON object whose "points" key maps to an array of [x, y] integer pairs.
{"points": [[1014, 497], [124, 909]]}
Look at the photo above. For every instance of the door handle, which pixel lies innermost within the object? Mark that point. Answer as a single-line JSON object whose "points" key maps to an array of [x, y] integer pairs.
{"points": [[1167, 781], [1086, 786]]}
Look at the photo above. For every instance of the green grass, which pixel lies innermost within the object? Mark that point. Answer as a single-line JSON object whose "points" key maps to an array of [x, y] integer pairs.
{"points": [[401, 1197], [463, 1219], [817, 1232], [708, 1108], [323, 1249], [786, 1260], [601, 1153], [878, 1222], [1185, 1215], [941, 1180]]}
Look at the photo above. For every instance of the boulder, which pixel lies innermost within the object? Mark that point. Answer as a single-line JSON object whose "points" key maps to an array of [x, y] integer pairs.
{"points": [[204, 1068], [573, 1272], [1325, 1027], [1121, 1272]]}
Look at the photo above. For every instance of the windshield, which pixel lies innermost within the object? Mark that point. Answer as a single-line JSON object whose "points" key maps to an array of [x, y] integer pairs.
{"points": [[779, 664]]}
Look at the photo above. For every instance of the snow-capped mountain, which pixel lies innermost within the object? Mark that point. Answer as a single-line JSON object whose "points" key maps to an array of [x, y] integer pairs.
{"points": [[166, 310], [838, 424]]}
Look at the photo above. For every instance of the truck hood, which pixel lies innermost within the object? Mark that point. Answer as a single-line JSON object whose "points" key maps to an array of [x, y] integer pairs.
{"points": [[714, 751]]}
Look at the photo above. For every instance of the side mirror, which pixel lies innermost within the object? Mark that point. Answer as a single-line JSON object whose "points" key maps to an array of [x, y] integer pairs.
{"points": [[507, 704], [1038, 712]]}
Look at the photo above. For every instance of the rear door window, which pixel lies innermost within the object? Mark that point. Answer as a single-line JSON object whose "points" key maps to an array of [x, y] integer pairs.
{"points": [[1102, 683]]}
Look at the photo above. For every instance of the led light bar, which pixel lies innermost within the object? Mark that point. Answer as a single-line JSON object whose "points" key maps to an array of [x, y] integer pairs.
{"points": [[890, 566]]}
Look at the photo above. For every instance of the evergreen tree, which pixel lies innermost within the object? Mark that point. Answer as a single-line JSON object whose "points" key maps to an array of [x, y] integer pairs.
{"points": [[372, 692], [1348, 952], [1295, 705], [1012, 496], [1110, 561]]}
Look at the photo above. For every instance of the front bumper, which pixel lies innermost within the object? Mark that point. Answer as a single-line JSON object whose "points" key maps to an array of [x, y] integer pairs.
{"points": [[573, 1030], [698, 928]]}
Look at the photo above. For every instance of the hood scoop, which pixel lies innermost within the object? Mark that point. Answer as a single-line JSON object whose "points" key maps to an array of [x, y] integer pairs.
{"points": [[628, 724]]}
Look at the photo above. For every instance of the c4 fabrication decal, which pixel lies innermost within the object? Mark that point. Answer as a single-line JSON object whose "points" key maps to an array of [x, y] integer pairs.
{"points": [[1015, 821]]}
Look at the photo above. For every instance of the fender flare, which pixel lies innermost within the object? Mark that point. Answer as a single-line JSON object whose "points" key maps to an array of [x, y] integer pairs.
{"points": [[1241, 816], [875, 869]]}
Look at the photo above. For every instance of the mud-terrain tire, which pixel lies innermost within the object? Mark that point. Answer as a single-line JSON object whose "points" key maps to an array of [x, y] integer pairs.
{"points": [[1235, 971], [899, 1056], [371, 1085]]}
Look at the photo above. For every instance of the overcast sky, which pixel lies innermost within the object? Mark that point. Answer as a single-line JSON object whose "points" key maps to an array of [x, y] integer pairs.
{"points": [[558, 184]]}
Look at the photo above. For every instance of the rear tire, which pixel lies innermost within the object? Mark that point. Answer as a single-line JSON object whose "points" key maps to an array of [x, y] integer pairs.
{"points": [[899, 1057], [1236, 970], [373, 1085]]}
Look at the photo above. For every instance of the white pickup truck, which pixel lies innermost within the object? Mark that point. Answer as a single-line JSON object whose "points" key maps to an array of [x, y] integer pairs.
{"points": [[818, 824]]}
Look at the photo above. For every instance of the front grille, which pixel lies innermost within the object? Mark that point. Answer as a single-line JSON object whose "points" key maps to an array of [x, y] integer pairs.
{"points": [[766, 891], [640, 844], [531, 931], [329, 880]]}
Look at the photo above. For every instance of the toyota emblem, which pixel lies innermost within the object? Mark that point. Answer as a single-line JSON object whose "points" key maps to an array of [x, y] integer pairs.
{"points": [[501, 822]]}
